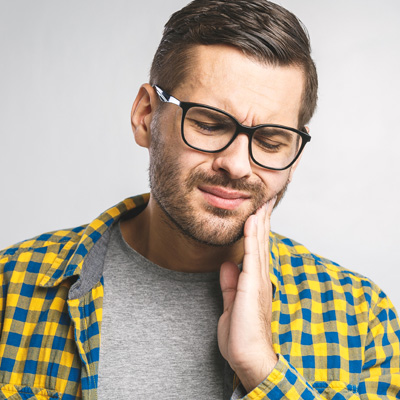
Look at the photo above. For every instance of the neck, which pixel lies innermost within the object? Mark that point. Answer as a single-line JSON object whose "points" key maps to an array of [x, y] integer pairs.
{"points": [[155, 237]]}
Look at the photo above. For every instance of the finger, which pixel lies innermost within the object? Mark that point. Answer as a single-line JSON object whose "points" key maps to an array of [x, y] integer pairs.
{"points": [[251, 248], [263, 245], [229, 277], [261, 236], [267, 220]]}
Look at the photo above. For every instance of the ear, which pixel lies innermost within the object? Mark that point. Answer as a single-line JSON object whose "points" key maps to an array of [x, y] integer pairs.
{"points": [[141, 115], [294, 166]]}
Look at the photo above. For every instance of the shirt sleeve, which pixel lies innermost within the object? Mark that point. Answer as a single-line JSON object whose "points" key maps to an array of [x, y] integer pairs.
{"points": [[284, 382], [379, 379]]}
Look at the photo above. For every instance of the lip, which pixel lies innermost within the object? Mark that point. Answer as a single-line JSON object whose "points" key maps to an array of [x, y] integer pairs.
{"points": [[222, 197]]}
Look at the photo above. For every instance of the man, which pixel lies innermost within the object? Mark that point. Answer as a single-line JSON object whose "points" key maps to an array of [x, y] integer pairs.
{"points": [[225, 115]]}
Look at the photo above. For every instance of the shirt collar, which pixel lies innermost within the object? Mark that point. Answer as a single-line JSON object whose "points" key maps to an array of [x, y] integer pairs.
{"points": [[63, 266]]}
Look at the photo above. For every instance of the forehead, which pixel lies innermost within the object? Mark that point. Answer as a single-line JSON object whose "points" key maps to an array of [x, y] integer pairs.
{"points": [[253, 92]]}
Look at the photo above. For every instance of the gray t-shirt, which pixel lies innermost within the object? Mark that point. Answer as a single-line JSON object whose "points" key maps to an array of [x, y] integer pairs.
{"points": [[159, 330]]}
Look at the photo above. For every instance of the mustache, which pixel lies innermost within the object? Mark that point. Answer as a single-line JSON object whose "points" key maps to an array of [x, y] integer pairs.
{"points": [[224, 181]]}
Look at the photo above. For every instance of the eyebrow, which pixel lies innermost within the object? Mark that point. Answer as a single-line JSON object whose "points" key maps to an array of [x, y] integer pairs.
{"points": [[277, 131], [215, 114]]}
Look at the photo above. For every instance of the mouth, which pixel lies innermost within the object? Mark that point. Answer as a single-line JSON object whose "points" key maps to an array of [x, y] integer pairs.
{"points": [[223, 198]]}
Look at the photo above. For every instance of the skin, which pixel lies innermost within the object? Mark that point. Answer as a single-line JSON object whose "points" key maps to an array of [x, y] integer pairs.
{"points": [[254, 93]]}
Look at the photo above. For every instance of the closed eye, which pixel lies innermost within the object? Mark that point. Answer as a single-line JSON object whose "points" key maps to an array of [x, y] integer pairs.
{"points": [[267, 144], [207, 128]]}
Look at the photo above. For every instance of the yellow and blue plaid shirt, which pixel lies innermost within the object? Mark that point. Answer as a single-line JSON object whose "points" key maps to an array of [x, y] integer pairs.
{"points": [[336, 333]]}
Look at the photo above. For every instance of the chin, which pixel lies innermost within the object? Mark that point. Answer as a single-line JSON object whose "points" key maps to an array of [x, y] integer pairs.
{"points": [[220, 229], [215, 239]]}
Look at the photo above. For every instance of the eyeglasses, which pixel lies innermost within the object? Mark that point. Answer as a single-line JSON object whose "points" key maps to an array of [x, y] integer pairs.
{"points": [[211, 130]]}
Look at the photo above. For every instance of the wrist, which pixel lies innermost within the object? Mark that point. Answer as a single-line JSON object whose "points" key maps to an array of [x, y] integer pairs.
{"points": [[252, 375]]}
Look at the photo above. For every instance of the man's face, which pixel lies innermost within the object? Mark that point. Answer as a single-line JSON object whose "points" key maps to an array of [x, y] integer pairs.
{"points": [[207, 196]]}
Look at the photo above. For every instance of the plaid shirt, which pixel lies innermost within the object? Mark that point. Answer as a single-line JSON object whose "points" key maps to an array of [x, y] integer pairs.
{"points": [[336, 333]]}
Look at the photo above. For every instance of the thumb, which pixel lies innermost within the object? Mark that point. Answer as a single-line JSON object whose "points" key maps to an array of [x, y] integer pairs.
{"points": [[229, 277]]}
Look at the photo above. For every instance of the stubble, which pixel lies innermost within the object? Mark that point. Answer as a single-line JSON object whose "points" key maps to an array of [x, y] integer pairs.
{"points": [[209, 225]]}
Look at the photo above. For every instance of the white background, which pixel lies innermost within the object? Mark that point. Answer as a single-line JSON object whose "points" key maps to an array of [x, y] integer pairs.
{"points": [[70, 70]]}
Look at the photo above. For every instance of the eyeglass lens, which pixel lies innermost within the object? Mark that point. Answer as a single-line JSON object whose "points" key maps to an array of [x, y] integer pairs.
{"points": [[210, 130]]}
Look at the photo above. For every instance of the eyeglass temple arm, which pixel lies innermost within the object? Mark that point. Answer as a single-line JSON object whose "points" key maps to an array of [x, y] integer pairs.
{"points": [[165, 97]]}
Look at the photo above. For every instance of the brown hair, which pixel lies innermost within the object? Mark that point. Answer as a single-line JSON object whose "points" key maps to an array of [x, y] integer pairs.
{"points": [[262, 30]]}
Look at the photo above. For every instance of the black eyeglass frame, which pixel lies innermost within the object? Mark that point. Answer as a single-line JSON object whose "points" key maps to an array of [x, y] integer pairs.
{"points": [[248, 130]]}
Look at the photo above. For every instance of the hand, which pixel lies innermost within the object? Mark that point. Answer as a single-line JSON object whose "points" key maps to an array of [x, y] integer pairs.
{"points": [[244, 329]]}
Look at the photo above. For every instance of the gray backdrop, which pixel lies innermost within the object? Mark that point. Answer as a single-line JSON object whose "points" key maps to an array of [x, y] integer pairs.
{"points": [[71, 69]]}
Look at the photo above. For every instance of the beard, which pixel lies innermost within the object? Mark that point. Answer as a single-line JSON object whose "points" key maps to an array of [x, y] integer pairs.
{"points": [[207, 224]]}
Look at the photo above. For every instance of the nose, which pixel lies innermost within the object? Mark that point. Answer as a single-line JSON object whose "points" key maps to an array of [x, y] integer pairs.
{"points": [[235, 160]]}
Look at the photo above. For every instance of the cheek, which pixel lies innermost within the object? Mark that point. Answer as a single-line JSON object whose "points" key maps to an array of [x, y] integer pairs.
{"points": [[190, 161], [174, 127], [167, 128], [274, 181]]}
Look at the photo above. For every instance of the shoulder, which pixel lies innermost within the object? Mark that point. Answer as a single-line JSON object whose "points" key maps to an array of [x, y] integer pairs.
{"points": [[315, 273], [297, 255], [38, 253], [44, 242]]}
